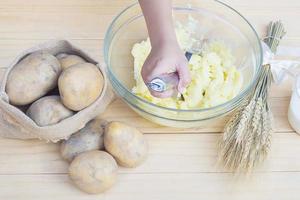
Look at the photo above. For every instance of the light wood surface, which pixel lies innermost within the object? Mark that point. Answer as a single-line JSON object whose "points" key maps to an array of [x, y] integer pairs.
{"points": [[182, 163]]}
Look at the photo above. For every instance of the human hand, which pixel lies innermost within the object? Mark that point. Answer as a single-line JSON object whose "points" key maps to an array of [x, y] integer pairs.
{"points": [[165, 58]]}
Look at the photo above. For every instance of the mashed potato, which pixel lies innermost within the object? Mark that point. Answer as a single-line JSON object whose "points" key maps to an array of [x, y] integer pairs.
{"points": [[215, 79]]}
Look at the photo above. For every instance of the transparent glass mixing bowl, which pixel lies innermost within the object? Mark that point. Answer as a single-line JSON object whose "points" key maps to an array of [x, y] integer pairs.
{"points": [[217, 21]]}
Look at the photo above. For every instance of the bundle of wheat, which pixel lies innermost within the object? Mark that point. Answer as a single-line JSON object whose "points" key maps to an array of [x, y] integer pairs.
{"points": [[247, 135]]}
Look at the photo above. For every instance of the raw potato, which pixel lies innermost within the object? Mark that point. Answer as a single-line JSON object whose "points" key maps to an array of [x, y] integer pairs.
{"points": [[67, 60], [127, 144], [48, 111], [93, 171], [80, 85], [32, 78], [88, 138]]}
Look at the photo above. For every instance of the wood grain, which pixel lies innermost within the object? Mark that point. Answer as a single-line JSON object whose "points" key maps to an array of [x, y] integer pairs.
{"points": [[182, 162], [176, 186], [197, 154]]}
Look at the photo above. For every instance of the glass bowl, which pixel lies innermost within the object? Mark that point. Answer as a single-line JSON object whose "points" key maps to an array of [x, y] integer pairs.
{"points": [[217, 21]]}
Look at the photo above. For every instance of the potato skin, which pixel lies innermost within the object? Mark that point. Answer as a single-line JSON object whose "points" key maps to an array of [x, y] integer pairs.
{"points": [[93, 171], [48, 111], [80, 85], [88, 138], [32, 78], [67, 60], [126, 144]]}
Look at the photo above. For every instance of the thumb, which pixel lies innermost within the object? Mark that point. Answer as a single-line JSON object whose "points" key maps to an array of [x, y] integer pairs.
{"points": [[153, 70], [184, 77]]}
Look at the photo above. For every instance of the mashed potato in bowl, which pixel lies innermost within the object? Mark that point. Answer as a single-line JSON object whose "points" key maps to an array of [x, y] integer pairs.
{"points": [[215, 79]]}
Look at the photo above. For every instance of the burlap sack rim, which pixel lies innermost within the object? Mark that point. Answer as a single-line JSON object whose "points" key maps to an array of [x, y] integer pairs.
{"points": [[107, 91]]}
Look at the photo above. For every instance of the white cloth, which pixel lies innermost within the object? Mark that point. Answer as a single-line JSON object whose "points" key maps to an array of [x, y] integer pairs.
{"points": [[280, 70]]}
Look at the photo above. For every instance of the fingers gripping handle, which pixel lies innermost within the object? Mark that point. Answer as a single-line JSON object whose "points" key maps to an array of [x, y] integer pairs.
{"points": [[167, 81], [164, 82]]}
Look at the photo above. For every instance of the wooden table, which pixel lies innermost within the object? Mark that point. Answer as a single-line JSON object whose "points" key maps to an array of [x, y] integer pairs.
{"points": [[181, 164]]}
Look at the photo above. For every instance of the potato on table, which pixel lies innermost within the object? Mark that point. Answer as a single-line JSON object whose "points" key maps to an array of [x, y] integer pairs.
{"points": [[67, 60], [80, 85], [126, 144], [88, 138], [48, 111], [32, 78], [93, 171]]}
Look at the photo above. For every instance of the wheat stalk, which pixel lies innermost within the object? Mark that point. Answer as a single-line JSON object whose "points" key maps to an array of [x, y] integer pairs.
{"points": [[247, 135]]}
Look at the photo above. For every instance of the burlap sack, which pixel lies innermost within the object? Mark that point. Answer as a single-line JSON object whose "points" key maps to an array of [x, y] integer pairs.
{"points": [[15, 124]]}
